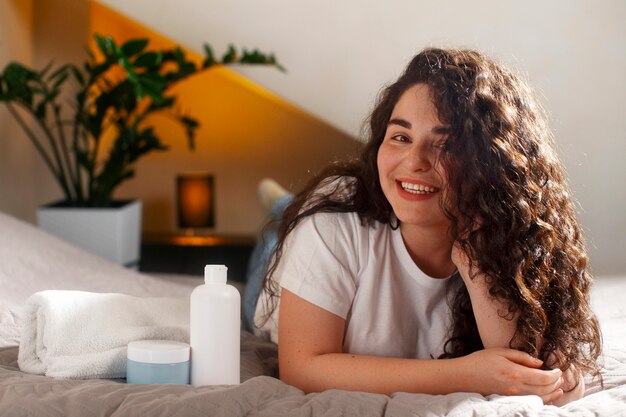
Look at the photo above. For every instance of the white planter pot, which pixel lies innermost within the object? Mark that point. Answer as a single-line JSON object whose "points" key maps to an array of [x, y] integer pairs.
{"points": [[113, 233]]}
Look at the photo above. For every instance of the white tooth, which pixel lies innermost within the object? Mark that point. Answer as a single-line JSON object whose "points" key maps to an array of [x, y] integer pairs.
{"points": [[417, 188]]}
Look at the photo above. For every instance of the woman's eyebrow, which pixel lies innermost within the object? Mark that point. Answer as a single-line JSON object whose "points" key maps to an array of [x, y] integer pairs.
{"points": [[439, 130], [400, 122]]}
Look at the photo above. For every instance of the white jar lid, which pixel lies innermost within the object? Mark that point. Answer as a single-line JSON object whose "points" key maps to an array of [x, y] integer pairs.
{"points": [[158, 351]]}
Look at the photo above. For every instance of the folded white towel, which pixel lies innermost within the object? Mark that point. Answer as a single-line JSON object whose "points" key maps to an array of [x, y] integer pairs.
{"points": [[75, 334]]}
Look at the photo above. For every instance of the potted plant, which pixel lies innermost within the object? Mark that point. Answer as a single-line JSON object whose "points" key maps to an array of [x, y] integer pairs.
{"points": [[114, 92]]}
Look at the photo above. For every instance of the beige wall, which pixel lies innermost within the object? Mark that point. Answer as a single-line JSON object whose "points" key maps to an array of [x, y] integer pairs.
{"points": [[33, 33], [60, 35], [60, 32], [18, 167]]}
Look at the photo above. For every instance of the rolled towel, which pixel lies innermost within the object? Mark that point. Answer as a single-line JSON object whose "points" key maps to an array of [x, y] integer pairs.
{"points": [[76, 334]]}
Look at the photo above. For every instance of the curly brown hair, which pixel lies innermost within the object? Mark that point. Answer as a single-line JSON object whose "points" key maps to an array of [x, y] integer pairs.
{"points": [[506, 197]]}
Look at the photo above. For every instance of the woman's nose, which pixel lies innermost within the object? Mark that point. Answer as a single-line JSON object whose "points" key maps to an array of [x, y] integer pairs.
{"points": [[419, 158]]}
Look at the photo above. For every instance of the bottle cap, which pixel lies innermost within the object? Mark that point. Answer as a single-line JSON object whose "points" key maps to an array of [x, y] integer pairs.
{"points": [[158, 351], [215, 274]]}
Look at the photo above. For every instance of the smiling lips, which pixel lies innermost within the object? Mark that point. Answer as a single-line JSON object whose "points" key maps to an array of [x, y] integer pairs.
{"points": [[417, 189]]}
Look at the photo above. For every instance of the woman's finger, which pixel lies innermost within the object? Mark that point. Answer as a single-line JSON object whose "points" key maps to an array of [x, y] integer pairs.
{"points": [[521, 358], [544, 389], [536, 377], [552, 397]]}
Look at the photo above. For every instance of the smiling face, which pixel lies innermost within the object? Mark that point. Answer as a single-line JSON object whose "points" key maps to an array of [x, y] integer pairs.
{"points": [[408, 160]]}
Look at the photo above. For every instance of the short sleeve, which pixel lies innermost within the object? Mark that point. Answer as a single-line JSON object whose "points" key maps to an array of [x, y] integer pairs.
{"points": [[319, 262]]}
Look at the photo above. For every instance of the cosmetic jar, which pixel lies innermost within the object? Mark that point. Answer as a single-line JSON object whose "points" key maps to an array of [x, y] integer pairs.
{"points": [[157, 362]]}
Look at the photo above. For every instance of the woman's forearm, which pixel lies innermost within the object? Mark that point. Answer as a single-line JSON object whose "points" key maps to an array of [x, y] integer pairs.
{"points": [[309, 355], [373, 374], [490, 371]]}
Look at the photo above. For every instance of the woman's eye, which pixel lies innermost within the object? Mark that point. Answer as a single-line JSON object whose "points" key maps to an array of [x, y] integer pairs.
{"points": [[400, 138]]}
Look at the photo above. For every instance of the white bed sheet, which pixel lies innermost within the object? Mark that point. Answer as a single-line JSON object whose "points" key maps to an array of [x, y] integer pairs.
{"points": [[31, 261]]}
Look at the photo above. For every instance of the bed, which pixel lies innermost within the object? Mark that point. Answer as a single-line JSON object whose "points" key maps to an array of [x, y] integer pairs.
{"points": [[31, 261]]}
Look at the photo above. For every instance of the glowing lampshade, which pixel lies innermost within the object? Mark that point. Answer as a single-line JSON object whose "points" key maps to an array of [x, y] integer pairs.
{"points": [[195, 195]]}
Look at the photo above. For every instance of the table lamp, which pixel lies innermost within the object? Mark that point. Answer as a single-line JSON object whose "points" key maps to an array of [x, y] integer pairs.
{"points": [[195, 201]]}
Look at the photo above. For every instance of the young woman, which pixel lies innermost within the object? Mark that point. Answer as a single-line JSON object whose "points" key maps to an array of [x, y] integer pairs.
{"points": [[446, 258]]}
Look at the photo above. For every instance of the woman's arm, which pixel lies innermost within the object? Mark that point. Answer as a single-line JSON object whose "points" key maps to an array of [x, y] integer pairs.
{"points": [[496, 327], [310, 358]]}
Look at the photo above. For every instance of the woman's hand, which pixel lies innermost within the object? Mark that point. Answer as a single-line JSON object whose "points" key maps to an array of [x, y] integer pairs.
{"points": [[510, 372], [573, 387]]}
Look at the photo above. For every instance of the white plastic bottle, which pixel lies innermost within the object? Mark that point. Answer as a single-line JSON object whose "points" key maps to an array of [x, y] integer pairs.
{"points": [[214, 329]]}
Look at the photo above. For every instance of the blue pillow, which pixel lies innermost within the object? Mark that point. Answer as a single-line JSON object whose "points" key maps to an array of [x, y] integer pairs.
{"points": [[259, 261]]}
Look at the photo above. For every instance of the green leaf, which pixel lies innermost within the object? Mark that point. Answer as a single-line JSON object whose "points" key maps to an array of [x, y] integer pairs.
{"points": [[230, 56], [209, 60], [106, 45], [122, 96], [165, 103], [179, 55], [191, 125], [98, 69], [186, 69], [110, 44], [40, 110], [16, 73], [258, 57], [43, 72], [60, 72], [60, 81], [134, 46], [154, 80], [139, 91], [153, 85], [37, 90], [78, 75], [148, 59], [272, 61], [125, 63], [189, 122], [52, 95], [18, 82], [100, 42], [132, 76], [83, 158]]}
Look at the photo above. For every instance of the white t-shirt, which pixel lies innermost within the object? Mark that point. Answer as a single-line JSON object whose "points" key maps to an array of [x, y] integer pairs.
{"points": [[365, 275]]}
